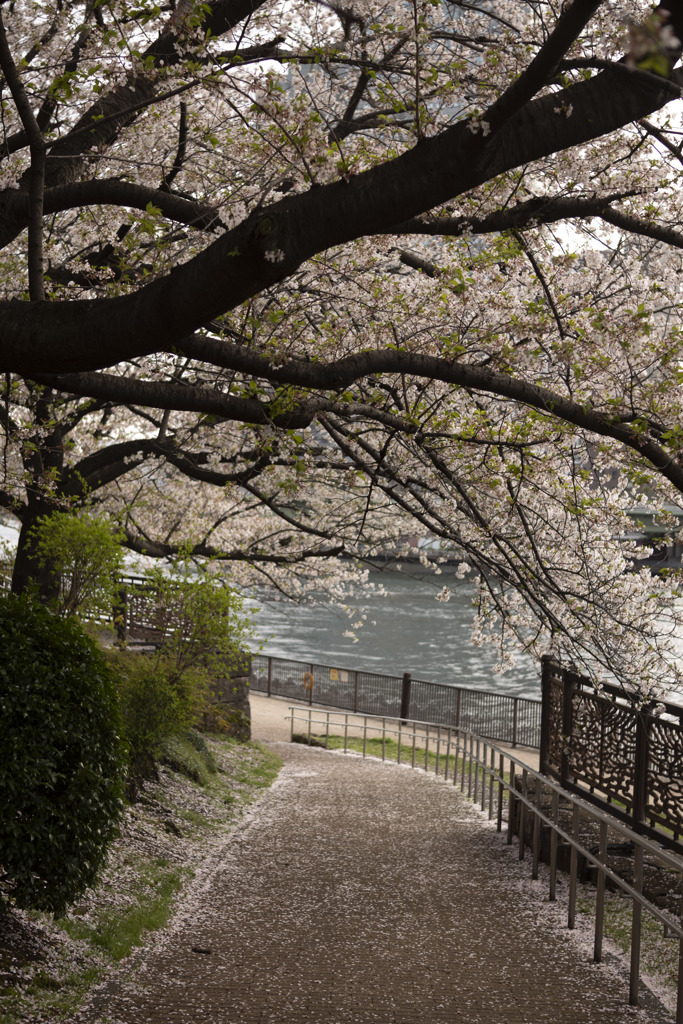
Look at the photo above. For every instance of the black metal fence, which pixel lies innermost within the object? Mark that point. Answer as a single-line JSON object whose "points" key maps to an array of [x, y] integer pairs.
{"points": [[497, 716], [615, 752]]}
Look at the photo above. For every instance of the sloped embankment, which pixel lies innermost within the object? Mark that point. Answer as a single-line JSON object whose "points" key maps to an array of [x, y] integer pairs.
{"points": [[172, 833]]}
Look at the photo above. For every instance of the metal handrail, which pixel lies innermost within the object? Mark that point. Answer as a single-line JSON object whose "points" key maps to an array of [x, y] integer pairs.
{"points": [[476, 771]]}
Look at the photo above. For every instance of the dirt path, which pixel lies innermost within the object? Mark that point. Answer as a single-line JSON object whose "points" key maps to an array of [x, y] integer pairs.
{"points": [[363, 892]]}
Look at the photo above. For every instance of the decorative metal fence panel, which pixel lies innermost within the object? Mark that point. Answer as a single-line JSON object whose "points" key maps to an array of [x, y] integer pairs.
{"points": [[615, 752], [602, 749], [515, 720], [552, 746], [665, 775]]}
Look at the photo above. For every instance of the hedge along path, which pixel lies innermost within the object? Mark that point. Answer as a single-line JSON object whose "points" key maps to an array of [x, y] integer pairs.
{"points": [[364, 892]]}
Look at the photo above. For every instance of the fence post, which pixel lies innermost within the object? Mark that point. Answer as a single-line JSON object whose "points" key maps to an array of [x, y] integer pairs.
{"points": [[270, 676], [514, 721], [355, 692], [640, 787], [405, 697], [546, 672], [120, 611], [567, 723], [310, 692]]}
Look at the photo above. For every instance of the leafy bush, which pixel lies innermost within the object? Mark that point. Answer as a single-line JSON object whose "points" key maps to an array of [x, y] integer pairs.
{"points": [[61, 767], [197, 741], [201, 628], [154, 703], [227, 720], [187, 757], [203, 620], [84, 553]]}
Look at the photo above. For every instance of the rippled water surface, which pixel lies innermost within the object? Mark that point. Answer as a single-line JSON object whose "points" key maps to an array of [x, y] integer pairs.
{"points": [[412, 632]]}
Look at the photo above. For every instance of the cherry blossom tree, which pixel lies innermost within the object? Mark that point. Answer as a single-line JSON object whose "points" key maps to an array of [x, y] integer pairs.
{"points": [[367, 266], [170, 486]]}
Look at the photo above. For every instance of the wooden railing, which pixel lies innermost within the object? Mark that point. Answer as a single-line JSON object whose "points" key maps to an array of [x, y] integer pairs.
{"points": [[614, 751], [138, 615]]}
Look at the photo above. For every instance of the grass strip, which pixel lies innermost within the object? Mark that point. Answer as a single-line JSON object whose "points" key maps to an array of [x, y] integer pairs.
{"points": [[658, 952], [388, 750], [152, 907]]}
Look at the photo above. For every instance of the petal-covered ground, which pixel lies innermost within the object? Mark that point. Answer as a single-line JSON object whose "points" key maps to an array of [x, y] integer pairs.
{"points": [[358, 891]]}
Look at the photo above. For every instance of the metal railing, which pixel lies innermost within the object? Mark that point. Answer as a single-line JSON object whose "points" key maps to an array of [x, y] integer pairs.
{"points": [[614, 751], [519, 796], [498, 716]]}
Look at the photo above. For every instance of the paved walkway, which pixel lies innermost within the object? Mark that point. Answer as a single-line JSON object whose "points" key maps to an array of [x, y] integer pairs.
{"points": [[365, 892]]}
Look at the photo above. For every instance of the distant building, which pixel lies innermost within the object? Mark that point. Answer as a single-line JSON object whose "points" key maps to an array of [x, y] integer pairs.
{"points": [[660, 533]]}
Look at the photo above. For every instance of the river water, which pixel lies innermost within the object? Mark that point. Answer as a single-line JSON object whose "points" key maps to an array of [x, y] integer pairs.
{"points": [[406, 630]]}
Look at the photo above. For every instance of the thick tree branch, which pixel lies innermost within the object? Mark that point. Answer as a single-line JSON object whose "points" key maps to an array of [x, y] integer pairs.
{"points": [[115, 460], [96, 333], [572, 21], [114, 192], [345, 372], [543, 211], [639, 226], [533, 211], [160, 395], [179, 159], [157, 549]]}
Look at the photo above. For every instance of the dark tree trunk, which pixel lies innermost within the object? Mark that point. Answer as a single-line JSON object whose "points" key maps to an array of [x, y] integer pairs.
{"points": [[28, 573]]}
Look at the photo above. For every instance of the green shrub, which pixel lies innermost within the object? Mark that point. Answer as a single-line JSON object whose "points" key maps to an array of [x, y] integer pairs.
{"points": [[85, 555], [202, 625], [61, 763], [204, 622], [154, 704], [224, 719], [196, 740], [181, 754]]}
